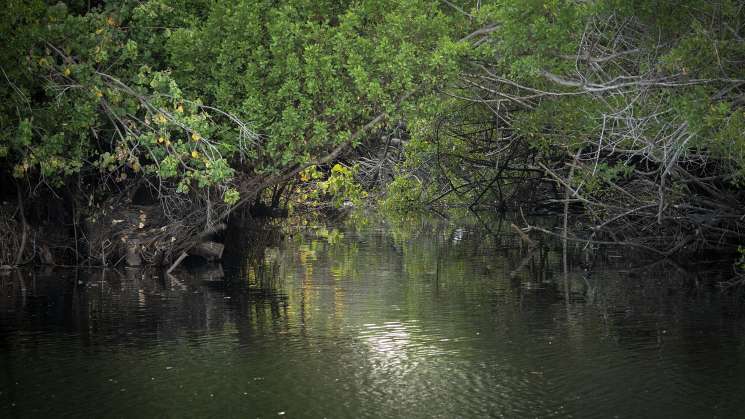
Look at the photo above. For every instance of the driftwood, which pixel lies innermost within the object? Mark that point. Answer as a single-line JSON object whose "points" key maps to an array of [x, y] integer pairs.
{"points": [[210, 251], [178, 261]]}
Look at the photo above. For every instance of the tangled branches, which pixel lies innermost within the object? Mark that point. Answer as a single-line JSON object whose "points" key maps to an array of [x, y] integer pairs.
{"points": [[644, 152], [377, 160]]}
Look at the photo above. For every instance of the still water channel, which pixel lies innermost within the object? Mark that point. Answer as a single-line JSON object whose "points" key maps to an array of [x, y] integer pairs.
{"points": [[417, 319]]}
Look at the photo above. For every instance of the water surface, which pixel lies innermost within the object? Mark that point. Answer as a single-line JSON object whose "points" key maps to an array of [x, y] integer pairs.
{"points": [[417, 319]]}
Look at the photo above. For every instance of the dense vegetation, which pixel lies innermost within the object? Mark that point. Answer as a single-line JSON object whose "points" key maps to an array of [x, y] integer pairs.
{"points": [[198, 105], [627, 115], [146, 124]]}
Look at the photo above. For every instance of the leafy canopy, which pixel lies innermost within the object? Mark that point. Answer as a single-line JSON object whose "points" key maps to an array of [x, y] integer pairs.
{"points": [[190, 94]]}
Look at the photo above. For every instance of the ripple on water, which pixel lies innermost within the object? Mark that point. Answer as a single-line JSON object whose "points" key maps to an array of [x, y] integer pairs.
{"points": [[372, 326]]}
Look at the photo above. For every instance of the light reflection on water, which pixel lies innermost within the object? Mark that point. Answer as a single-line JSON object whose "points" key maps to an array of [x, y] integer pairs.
{"points": [[396, 348], [436, 321]]}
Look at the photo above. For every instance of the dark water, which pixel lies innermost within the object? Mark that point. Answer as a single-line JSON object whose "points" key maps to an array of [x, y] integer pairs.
{"points": [[418, 319]]}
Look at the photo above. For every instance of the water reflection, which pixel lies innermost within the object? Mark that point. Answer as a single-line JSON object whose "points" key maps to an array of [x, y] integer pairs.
{"points": [[398, 319], [395, 347]]}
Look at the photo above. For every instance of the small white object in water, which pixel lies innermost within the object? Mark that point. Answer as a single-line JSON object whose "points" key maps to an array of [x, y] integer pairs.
{"points": [[281, 413]]}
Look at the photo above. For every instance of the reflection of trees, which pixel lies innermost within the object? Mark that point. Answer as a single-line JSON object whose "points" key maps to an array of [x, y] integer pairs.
{"points": [[133, 306], [443, 265], [401, 316], [425, 265]]}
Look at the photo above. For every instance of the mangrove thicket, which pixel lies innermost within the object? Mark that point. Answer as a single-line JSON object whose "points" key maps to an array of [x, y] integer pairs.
{"points": [[137, 130]]}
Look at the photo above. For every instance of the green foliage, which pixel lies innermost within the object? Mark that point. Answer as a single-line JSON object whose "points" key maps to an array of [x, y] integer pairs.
{"points": [[341, 186], [405, 193], [308, 73], [336, 188], [191, 92], [546, 95]]}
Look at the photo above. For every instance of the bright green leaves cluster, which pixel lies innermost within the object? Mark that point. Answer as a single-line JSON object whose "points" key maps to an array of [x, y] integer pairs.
{"points": [[341, 186], [310, 73], [337, 187]]}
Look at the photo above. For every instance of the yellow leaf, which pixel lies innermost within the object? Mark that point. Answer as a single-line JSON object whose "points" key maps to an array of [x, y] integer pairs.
{"points": [[195, 136], [66, 72], [161, 139], [195, 154], [180, 108]]}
